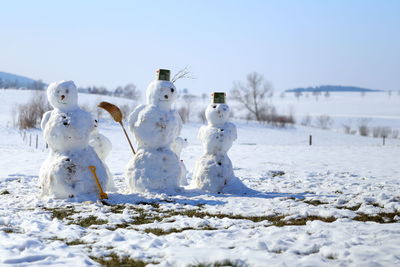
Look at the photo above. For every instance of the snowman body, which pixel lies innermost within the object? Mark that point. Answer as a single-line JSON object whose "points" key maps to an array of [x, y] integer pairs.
{"points": [[155, 167], [102, 146], [213, 171], [65, 173]]}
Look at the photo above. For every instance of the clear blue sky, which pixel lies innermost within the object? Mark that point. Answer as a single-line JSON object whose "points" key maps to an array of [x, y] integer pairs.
{"points": [[292, 43]]}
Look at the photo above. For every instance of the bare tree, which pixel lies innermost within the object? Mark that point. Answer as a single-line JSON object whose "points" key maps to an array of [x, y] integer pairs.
{"points": [[252, 94]]}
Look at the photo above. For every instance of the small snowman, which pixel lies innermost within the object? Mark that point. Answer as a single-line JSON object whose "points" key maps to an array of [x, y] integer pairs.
{"points": [[102, 146], [177, 146], [155, 125], [213, 172], [72, 169]]}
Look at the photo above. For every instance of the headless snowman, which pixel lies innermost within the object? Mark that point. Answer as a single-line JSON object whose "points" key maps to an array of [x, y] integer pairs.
{"points": [[155, 167], [213, 172], [102, 146], [65, 173]]}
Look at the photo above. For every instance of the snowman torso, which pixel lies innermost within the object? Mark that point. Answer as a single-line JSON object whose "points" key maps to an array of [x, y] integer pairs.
{"points": [[68, 130], [217, 139], [155, 127]]}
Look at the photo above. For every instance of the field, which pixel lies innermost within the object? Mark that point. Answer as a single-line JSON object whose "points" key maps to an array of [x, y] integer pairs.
{"points": [[336, 202]]}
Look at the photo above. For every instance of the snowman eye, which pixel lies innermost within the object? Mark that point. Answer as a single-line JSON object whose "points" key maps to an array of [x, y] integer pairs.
{"points": [[214, 106], [67, 91], [172, 90], [95, 121]]}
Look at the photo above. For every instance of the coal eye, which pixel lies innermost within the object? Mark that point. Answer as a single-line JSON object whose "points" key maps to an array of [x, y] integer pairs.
{"points": [[214, 106], [172, 90], [67, 91], [95, 120]]}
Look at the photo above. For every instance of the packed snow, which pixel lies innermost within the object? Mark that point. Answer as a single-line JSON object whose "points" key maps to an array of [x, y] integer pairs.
{"points": [[336, 202]]}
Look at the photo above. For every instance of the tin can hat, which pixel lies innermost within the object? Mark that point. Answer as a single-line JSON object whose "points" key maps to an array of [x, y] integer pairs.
{"points": [[218, 98], [163, 75]]}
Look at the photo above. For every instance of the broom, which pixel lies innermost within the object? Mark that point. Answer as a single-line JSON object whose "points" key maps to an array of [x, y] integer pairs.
{"points": [[116, 114]]}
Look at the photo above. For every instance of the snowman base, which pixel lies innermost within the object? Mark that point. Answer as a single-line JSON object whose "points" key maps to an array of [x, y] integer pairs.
{"points": [[66, 175], [154, 170], [214, 174]]}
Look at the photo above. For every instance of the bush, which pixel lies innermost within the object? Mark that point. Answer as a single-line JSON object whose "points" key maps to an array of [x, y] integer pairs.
{"points": [[395, 134], [363, 130], [126, 110], [306, 121], [30, 114], [184, 113], [323, 122], [202, 116]]}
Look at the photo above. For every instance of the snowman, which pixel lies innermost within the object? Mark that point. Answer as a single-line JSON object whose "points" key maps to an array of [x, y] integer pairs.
{"points": [[213, 172], [155, 125], [102, 146], [72, 168], [177, 146]]}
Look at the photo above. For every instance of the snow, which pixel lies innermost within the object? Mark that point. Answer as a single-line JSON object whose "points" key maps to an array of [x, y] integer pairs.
{"points": [[337, 179]]}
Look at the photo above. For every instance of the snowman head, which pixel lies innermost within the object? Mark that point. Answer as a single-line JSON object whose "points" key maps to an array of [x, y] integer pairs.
{"points": [[161, 94], [217, 113], [63, 95]]}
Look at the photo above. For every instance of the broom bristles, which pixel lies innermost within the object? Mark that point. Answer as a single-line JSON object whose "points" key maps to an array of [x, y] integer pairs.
{"points": [[114, 111]]}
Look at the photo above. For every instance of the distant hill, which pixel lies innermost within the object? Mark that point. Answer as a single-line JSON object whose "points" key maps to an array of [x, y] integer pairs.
{"points": [[331, 88], [9, 80]]}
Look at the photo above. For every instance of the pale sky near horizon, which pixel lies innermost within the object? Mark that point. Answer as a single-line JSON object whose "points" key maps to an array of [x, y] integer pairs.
{"points": [[292, 43]]}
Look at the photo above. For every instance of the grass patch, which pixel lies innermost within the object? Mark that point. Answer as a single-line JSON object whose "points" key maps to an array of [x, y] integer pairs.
{"points": [[353, 208], [277, 173], [159, 231], [115, 260], [88, 221], [202, 214], [314, 202], [331, 257], [75, 242], [4, 192], [8, 230], [60, 213], [216, 264], [383, 217], [303, 221]]}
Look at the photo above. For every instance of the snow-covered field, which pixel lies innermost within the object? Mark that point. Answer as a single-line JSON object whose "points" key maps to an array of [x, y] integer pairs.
{"points": [[336, 202]]}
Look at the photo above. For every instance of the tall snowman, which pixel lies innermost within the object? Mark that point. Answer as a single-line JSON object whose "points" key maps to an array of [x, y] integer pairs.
{"points": [[155, 125], [213, 170], [72, 168]]}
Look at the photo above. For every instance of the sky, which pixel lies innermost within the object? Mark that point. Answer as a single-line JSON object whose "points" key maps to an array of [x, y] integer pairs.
{"points": [[291, 43]]}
